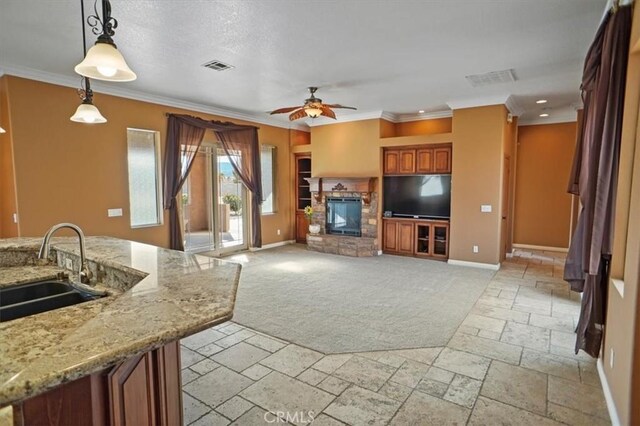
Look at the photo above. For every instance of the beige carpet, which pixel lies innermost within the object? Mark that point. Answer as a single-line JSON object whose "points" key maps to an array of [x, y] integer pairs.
{"points": [[337, 304]]}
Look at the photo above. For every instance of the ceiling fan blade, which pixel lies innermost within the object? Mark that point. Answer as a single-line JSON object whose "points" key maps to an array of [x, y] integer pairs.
{"points": [[339, 106], [326, 111], [283, 110], [297, 114]]}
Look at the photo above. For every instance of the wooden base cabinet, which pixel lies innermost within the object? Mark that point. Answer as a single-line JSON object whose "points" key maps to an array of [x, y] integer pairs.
{"points": [[143, 391], [415, 237]]}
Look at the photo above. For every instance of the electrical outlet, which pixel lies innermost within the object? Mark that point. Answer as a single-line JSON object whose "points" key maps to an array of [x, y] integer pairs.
{"points": [[611, 354], [68, 263], [486, 208], [475, 249], [278, 232]]}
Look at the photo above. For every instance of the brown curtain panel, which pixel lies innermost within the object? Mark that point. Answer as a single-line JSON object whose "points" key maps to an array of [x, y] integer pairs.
{"points": [[594, 174], [247, 166], [184, 136], [183, 141]]}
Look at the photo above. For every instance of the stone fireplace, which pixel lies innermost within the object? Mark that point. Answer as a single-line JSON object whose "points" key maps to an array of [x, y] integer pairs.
{"points": [[346, 210]]}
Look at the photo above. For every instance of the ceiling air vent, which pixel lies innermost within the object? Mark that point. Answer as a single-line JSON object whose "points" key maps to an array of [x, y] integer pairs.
{"points": [[493, 77], [217, 65]]}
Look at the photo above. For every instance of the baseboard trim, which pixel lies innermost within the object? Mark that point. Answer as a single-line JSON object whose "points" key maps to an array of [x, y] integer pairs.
{"points": [[543, 248], [493, 267], [272, 245], [608, 397]]}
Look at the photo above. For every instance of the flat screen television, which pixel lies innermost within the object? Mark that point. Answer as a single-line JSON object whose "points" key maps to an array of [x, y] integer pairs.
{"points": [[425, 196]]}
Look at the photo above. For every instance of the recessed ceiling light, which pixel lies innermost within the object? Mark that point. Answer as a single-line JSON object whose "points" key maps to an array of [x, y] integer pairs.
{"points": [[544, 115], [421, 111], [541, 101]]}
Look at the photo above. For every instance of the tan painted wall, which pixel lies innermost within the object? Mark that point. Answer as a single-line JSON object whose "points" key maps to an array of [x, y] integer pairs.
{"points": [[7, 182], [542, 204], [478, 135], [346, 149], [387, 129], [67, 171], [622, 332], [509, 150], [299, 137], [423, 127]]}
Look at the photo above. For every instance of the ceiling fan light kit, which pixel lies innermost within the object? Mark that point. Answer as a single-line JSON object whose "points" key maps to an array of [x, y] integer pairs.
{"points": [[313, 107]]}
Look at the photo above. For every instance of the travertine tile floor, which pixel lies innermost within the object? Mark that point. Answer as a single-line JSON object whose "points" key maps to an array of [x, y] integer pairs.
{"points": [[510, 362]]}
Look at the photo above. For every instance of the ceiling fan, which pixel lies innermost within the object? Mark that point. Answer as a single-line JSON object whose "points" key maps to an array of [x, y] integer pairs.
{"points": [[313, 107]]}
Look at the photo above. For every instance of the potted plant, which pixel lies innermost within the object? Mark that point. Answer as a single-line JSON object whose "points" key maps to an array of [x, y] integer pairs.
{"points": [[313, 228]]}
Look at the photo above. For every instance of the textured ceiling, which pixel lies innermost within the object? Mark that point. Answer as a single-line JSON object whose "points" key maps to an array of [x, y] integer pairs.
{"points": [[395, 56]]}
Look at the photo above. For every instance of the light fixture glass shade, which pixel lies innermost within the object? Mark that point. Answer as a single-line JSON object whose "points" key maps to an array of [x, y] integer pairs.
{"points": [[104, 62], [2, 130], [313, 112], [89, 114]]}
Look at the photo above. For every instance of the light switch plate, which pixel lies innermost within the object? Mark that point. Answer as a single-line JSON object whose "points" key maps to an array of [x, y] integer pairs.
{"points": [[485, 208], [114, 212]]}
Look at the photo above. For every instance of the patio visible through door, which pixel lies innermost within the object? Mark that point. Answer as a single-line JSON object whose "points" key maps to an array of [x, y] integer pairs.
{"points": [[214, 205]]}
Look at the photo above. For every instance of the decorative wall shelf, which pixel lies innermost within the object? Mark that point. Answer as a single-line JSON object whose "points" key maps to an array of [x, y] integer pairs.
{"points": [[365, 186]]}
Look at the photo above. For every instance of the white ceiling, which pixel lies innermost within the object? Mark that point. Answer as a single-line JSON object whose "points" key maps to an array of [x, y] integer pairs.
{"points": [[394, 56]]}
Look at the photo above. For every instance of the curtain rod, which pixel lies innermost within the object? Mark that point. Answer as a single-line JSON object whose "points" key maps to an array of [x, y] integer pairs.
{"points": [[167, 114]]}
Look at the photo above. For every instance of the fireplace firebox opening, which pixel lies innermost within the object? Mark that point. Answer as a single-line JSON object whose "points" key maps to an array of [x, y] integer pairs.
{"points": [[344, 216]]}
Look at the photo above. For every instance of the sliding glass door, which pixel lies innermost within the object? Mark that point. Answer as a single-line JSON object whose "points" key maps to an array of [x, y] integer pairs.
{"points": [[214, 205]]}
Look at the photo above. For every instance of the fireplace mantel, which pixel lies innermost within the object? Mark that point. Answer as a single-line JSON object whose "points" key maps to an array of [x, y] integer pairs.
{"points": [[364, 185]]}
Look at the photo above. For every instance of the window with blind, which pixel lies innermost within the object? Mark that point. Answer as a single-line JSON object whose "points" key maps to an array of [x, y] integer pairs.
{"points": [[145, 189], [268, 165]]}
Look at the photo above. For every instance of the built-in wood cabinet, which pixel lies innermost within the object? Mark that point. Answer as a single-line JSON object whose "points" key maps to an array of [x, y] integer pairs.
{"points": [[407, 161], [432, 239], [398, 236], [391, 162], [442, 160], [144, 391], [303, 195], [423, 160], [416, 237]]}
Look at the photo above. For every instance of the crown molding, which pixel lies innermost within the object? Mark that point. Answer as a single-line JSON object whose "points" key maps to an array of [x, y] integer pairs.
{"points": [[389, 116], [577, 105], [514, 107], [478, 102], [120, 91], [323, 121], [404, 118], [565, 117]]}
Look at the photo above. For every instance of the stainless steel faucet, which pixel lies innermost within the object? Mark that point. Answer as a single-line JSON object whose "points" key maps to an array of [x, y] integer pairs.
{"points": [[84, 274]]}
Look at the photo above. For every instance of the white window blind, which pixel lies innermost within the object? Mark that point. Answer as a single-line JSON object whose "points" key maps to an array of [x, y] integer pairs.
{"points": [[268, 164], [145, 199]]}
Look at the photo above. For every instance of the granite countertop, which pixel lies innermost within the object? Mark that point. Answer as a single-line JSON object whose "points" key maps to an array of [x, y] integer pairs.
{"points": [[170, 295]]}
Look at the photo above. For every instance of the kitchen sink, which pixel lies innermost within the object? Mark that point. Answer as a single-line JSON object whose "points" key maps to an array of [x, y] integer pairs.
{"points": [[34, 298]]}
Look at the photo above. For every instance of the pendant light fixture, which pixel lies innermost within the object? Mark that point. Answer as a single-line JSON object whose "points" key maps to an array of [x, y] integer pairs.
{"points": [[86, 112], [104, 61]]}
